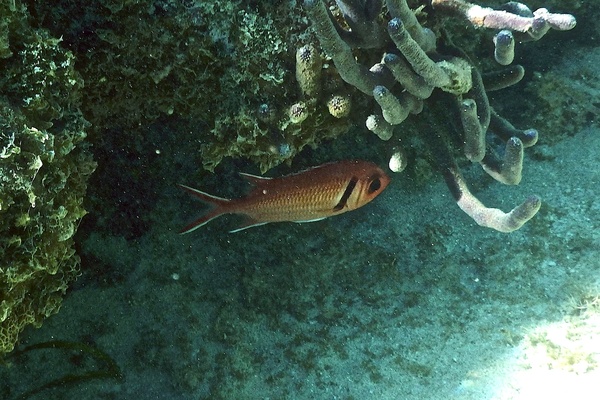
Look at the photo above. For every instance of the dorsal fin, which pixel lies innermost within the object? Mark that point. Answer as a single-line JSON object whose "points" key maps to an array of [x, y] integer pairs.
{"points": [[254, 179]]}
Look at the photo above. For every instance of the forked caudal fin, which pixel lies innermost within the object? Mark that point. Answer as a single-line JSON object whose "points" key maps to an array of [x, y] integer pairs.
{"points": [[219, 207]]}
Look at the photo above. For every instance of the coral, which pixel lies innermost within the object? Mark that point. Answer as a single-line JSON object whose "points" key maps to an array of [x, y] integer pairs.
{"points": [[298, 112], [339, 106], [417, 66], [251, 81], [308, 70], [217, 65], [44, 167]]}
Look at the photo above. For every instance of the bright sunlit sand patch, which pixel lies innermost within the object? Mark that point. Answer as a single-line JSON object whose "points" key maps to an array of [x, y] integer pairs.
{"points": [[561, 359], [556, 360]]}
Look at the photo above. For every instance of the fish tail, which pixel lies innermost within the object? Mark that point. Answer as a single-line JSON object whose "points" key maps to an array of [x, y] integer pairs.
{"points": [[219, 207]]}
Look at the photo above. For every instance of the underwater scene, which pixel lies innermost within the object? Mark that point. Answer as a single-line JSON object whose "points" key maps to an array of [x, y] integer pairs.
{"points": [[299, 199]]}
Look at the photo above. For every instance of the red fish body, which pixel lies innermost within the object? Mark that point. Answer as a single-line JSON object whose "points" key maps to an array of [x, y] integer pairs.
{"points": [[310, 195]]}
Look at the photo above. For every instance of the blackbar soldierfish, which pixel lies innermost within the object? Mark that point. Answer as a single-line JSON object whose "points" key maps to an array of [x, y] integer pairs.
{"points": [[310, 195]]}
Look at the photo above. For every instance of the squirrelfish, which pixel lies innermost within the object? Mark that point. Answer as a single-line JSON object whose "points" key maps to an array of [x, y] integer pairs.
{"points": [[317, 193]]}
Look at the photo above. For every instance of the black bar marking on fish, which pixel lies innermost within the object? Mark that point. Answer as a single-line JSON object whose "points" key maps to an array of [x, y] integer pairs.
{"points": [[349, 189]]}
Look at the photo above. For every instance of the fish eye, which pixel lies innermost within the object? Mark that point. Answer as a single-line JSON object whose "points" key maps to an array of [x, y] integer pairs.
{"points": [[374, 186]]}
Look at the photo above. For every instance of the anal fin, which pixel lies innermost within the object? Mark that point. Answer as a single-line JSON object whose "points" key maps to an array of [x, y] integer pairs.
{"points": [[247, 223]]}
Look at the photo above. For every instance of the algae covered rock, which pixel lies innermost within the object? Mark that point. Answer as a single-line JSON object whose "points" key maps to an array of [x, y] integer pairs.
{"points": [[225, 68], [44, 167]]}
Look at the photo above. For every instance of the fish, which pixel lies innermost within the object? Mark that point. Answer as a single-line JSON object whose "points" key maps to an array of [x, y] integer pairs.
{"points": [[310, 195]]}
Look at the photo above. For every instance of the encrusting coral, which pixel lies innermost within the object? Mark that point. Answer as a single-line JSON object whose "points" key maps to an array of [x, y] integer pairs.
{"points": [[416, 66], [44, 168]]}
